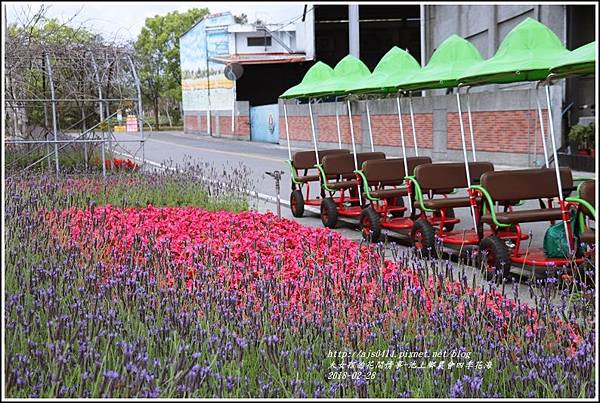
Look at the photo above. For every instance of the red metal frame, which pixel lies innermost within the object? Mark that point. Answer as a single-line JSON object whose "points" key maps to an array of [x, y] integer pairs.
{"points": [[312, 202]]}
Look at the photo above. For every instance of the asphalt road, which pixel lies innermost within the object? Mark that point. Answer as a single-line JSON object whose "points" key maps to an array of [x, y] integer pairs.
{"points": [[261, 157]]}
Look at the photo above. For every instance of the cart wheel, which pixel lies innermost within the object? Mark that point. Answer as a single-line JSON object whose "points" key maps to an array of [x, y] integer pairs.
{"points": [[369, 225], [328, 212], [497, 257], [423, 238], [449, 214], [297, 203], [396, 202]]}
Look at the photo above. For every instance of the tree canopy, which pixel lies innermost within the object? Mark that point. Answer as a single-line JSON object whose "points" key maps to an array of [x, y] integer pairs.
{"points": [[158, 49]]}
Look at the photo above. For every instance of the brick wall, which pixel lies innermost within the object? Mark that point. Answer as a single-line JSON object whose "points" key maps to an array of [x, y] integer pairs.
{"points": [[242, 127], [299, 127], [502, 131], [191, 123], [196, 123], [386, 130], [327, 129]]}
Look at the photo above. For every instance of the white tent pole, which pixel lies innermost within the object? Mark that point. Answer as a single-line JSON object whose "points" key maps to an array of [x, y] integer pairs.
{"points": [[337, 122], [287, 130], [354, 148], [471, 126], [312, 127], [406, 173], [370, 128], [464, 147], [556, 167], [542, 129], [412, 122]]}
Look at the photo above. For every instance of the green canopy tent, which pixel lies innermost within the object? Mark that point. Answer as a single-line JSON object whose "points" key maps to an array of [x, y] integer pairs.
{"points": [[395, 62], [526, 54], [449, 61], [318, 73], [348, 70], [580, 61]]}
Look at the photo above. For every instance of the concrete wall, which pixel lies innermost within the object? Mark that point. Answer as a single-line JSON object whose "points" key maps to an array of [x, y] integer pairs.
{"points": [[196, 122], [241, 42], [505, 123]]}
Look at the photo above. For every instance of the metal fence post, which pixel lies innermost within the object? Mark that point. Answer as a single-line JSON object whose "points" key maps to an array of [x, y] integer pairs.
{"points": [[140, 109], [54, 123], [101, 112]]}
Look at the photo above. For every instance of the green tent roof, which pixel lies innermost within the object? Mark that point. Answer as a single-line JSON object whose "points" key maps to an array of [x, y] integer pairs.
{"points": [[395, 63], [580, 61], [525, 54], [447, 64], [348, 70], [317, 74]]}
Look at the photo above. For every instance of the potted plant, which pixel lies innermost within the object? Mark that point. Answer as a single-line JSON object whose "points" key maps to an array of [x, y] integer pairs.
{"points": [[583, 138]]}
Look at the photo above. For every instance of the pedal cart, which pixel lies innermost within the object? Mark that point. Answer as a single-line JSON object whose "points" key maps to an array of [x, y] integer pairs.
{"points": [[543, 50]]}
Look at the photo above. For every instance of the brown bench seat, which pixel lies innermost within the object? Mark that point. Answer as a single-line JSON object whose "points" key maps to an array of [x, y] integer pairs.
{"points": [[519, 216], [438, 178], [389, 193], [389, 172], [339, 168], [588, 193], [447, 202], [345, 184], [524, 184], [305, 160], [307, 178]]}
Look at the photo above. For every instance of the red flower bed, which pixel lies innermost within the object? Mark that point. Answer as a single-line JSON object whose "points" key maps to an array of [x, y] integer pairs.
{"points": [[121, 164], [314, 269]]}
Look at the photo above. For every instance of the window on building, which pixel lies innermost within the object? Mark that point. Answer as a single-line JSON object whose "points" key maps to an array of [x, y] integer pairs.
{"points": [[259, 41]]}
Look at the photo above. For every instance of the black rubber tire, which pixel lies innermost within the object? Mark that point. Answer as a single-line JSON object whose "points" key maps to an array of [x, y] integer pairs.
{"points": [[370, 217], [449, 214], [329, 212], [422, 238], [297, 203], [497, 260], [397, 201]]}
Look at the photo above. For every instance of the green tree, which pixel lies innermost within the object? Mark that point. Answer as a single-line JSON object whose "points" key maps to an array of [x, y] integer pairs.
{"points": [[241, 19], [158, 49]]}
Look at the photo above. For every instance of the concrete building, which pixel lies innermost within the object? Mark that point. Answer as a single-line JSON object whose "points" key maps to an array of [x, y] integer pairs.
{"points": [[505, 117]]}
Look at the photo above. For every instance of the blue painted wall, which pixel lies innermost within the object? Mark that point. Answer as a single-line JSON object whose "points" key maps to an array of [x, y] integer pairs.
{"points": [[264, 123]]}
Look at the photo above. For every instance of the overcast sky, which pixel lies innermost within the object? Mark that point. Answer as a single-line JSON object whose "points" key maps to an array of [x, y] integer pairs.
{"points": [[124, 20]]}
